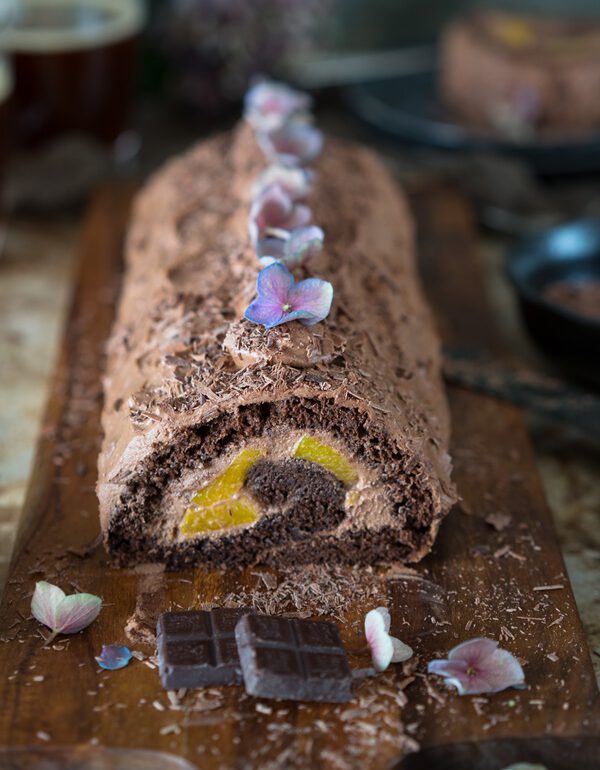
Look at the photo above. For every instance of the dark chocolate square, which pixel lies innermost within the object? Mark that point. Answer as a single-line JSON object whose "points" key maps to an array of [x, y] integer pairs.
{"points": [[316, 633], [271, 630], [318, 665], [225, 619], [188, 652], [293, 659], [198, 648], [193, 623], [226, 650], [278, 661]]}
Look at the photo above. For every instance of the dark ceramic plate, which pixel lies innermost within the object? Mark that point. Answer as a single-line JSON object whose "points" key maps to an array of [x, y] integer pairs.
{"points": [[408, 108], [570, 252], [578, 753]]}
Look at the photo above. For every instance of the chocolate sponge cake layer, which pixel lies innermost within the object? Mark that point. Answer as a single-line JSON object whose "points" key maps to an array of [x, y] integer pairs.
{"points": [[229, 444]]}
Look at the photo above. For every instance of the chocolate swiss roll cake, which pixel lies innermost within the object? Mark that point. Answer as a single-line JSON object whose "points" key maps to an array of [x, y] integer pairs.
{"points": [[230, 443], [522, 76]]}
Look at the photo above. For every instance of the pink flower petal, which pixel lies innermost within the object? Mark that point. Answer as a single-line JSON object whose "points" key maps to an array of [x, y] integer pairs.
{"points": [[474, 650], [312, 296], [271, 307], [273, 207], [387, 618], [294, 144], [266, 312], [76, 612], [269, 104], [378, 639], [63, 614], [45, 603], [479, 666], [275, 211], [280, 299], [304, 243], [401, 652], [299, 217], [502, 670], [270, 249], [447, 668], [275, 282], [276, 206], [297, 182]]}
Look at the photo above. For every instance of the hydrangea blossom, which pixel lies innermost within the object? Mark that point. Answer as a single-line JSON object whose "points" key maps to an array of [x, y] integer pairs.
{"points": [[295, 180], [293, 144], [385, 649], [276, 210], [281, 299], [294, 250], [63, 614], [479, 666], [113, 657], [269, 105]]}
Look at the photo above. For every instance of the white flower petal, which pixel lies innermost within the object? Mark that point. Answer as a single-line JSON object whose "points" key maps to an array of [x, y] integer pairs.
{"points": [[378, 639], [382, 651], [387, 618], [45, 603], [401, 652], [77, 611]]}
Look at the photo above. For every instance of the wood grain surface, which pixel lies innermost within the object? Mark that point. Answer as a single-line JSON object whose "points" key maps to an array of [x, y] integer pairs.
{"points": [[496, 571]]}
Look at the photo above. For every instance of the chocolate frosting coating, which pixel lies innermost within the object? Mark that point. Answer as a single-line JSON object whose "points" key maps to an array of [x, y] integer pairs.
{"points": [[188, 380]]}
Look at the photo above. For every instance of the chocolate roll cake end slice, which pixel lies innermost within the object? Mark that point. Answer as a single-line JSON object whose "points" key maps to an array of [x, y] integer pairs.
{"points": [[230, 444]]}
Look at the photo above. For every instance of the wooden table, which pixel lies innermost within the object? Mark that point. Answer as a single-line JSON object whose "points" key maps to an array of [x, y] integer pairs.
{"points": [[482, 588]]}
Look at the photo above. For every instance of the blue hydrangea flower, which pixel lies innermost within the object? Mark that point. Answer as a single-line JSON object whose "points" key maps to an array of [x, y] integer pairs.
{"points": [[293, 144], [113, 657], [282, 299], [479, 666], [294, 250], [275, 210], [269, 104], [295, 180]]}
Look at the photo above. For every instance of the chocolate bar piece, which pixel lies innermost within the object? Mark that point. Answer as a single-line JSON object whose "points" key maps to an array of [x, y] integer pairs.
{"points": [[198, 649], [293, 659]]}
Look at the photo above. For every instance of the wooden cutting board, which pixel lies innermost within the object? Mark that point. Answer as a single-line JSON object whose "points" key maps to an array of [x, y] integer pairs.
{"points": [[496, 571]]}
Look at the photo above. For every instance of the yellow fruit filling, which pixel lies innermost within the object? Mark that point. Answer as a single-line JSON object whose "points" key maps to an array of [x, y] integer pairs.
{"points": [[309, 448], [220, 503], [515, 33]]}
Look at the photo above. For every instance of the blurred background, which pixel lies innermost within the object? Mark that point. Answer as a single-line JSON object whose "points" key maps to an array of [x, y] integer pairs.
{"points": [[93, 91]]}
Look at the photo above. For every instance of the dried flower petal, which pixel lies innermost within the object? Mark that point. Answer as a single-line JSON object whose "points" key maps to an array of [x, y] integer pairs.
{"points": [[525, 766], [479, 666], [269, 104], [274, 210], [296, 181], [60, 613], [113, 657], [295, 249], [280, 299], [294, 144], [385, 649]]}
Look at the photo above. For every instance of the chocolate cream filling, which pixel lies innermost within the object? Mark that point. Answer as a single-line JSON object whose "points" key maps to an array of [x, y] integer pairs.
{"points": [[303, 505]]}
